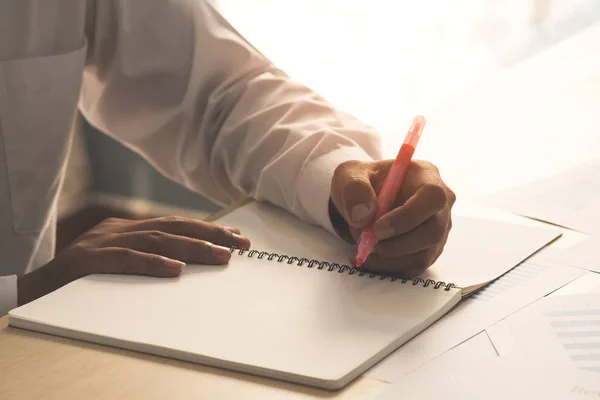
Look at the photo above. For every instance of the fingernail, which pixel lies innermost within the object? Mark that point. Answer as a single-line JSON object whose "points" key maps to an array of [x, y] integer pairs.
{"points": [[360, 212], [174, 264], [232, 229], [222, 253], [383, 231]]}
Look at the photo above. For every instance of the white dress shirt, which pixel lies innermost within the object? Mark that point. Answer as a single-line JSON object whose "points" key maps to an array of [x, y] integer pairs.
{"points": [[171, 80]]}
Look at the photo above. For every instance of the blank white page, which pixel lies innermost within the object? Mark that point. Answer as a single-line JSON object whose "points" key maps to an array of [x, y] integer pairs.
{"points": [[477, 251], [306, 325]]}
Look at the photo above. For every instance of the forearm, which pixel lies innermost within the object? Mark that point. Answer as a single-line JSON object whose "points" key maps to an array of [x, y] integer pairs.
{"points": [[281, 142]]}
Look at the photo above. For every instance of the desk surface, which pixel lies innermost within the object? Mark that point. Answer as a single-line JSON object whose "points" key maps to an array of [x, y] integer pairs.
{"points": [[39, 366]]}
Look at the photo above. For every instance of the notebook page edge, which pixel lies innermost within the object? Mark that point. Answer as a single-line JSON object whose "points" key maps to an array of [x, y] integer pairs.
{"points": [[400, 341], [19, 322]]}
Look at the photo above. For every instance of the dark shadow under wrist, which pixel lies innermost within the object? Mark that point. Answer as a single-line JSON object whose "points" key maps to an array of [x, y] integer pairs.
{"points": [[340, 225]]}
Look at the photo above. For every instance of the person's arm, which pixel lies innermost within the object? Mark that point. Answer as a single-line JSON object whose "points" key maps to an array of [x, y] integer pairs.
{"points": [[175, 82]]}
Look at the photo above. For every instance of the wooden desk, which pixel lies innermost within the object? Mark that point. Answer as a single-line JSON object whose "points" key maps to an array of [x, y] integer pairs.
{"points": [[39, 366]]}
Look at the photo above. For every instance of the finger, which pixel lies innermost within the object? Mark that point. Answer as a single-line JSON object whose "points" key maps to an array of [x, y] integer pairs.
{"points": [[196, 229], [115, 260], [429, 234], [428, 200], [437, 254], [443, 243], [124, 222], [172, 246], [407, 266], [353, 194]]}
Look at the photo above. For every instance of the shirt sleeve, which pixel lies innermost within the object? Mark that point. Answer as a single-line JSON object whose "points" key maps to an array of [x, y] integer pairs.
{"points": [[42, 47], [177, 84], [8, 294]]}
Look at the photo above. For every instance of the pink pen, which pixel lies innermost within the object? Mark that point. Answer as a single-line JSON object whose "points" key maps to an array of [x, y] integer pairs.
{"points": [[391, 186]]}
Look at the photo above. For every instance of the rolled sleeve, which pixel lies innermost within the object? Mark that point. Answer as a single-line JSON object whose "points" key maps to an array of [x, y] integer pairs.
{"points": [[314, 185]]}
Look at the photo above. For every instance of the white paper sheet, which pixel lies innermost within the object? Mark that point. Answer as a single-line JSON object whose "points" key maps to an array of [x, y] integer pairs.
{"points": [[502, 337], [518, 288], [584, 254], [587, 283], [476, 347], [468, 375], [558, 330], [570, 198]]}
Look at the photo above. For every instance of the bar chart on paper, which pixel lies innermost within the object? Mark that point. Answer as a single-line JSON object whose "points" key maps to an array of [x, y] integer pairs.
{"points": [[577, 329], [518, 276], [555, 330]]}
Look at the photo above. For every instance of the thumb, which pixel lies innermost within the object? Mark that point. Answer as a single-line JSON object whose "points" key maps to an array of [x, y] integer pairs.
{"points": [[357, 200]]}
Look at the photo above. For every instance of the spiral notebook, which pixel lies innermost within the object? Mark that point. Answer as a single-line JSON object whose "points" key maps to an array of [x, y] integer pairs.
{"points": [[290, 308]]}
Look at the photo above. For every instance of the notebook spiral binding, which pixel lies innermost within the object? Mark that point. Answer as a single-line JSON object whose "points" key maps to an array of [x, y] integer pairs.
{"points": [[340, 268]]}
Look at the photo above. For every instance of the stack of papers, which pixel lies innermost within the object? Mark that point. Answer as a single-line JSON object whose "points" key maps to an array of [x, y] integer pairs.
{"points": [[557, 330], [582, 255], [570, 199], [523, 285], [466, 373], [586, 283]]}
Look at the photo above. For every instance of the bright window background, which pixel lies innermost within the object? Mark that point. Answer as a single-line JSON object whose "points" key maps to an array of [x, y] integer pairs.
{"points": [[385, 60], [382, 60]]}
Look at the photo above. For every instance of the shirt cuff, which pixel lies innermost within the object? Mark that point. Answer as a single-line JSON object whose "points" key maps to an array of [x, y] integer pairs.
{"points": [[314, 185], [8, 294]]}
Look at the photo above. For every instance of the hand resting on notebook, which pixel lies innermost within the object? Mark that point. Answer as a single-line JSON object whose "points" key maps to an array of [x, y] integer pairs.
{"points": [[151, 247], [412, 236]]}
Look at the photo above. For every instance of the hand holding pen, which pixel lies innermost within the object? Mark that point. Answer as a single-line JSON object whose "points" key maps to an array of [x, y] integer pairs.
{"points": [[398, 211]]}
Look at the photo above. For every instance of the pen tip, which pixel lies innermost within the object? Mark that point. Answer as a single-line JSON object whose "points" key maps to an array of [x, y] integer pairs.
{"points": [[359, 261]]}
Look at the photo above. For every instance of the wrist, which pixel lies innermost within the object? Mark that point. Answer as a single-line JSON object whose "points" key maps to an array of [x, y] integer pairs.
{"points": [[40, 282], [340, 226]]}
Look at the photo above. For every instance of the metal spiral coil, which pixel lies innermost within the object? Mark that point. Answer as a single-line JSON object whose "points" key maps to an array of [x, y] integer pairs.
{"points": [[331, 267]]}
